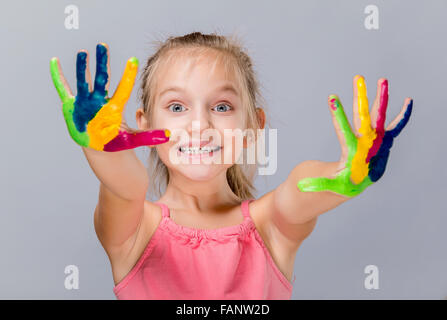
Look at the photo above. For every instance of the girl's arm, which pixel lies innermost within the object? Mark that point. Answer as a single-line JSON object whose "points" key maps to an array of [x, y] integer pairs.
{"points": [[94, 122], [297, 207], [122, 192], [314, 187]]}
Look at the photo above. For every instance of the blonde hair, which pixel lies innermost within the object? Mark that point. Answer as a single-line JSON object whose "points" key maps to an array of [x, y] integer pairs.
{"points": [[228, 51]]}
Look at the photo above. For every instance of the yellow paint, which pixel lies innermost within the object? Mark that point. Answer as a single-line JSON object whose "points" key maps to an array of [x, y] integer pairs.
{"points": [[125, 86], [106, 124], [359, 168]]}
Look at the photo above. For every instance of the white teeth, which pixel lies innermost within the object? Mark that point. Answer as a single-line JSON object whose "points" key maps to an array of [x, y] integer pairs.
{"points": [[197, 150]]}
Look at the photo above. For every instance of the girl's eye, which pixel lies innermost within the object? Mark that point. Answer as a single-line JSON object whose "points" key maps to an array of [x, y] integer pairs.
{"points": [[177, 107], [223, 109]]}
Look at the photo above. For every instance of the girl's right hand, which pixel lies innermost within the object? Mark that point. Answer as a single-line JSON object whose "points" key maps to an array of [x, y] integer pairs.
{"points": [[94, 120]]}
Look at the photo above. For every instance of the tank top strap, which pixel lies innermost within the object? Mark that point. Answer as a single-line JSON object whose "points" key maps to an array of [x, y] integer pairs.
{"points": [[245, 209], [164, 209]]}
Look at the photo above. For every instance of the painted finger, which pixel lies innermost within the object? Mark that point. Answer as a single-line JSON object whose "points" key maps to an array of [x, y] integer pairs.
{"points": [[378, 116], [59, 81], [377, 164], [359, 168], [102, 70], [355, 106], [81, 74], [378, 113], [339, 185], [125, 140], [396, 126], [363, 107], [124, 89], [336, 185], [315, 184], [346, 136]]}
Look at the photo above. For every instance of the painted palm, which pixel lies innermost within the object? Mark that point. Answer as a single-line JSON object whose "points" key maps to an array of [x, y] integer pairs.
{"points": [[364, 155], [94, 120]]}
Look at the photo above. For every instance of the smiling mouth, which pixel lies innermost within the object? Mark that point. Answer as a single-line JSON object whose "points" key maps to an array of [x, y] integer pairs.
{"points": [[199, 150]]}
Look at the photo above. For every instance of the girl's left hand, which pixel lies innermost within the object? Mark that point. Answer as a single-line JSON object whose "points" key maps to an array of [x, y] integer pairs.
{"points": [[364, 154]]}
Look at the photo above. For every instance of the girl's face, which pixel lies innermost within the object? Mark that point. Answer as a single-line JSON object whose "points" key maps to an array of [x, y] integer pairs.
{"points": [[196, 102]]}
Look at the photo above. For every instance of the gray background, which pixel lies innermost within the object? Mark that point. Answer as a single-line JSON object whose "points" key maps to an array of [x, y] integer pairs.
{"points": [[303, 51]]}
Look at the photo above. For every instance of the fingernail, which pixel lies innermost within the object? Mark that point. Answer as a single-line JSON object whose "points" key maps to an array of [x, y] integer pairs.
{"points": [[134, 61], [360, 81], [332, 104], [167, 133], [385, 86]]}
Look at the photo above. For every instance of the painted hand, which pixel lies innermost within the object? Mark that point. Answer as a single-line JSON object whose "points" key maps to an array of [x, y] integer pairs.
{"points": [[94, 120], [364, 154]]}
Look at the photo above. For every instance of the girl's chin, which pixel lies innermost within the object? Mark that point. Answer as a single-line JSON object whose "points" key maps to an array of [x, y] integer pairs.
{"points": [[200, 172]]}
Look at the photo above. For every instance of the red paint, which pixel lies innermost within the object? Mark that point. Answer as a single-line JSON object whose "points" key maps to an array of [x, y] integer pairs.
{"points": [[333, 106], [380, 122], [125, 140]]}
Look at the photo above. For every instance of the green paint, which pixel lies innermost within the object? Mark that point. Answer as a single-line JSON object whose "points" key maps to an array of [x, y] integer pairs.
{"points": [[67, 106], [134, 60], [343, 122], [341, 183], [54, 69]]}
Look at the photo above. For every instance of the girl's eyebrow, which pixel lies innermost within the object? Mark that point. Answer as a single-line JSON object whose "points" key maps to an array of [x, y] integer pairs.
{"points": [[226, 87]]}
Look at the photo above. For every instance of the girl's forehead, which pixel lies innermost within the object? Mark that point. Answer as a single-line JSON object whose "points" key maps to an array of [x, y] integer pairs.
{"points": [[184, 63]]}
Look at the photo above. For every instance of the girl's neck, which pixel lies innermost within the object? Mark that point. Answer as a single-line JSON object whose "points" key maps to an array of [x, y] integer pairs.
{"points": [[199, 196]]}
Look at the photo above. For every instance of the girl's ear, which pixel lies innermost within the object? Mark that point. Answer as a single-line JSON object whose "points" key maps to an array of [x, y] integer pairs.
{"points": [[141, 119], [261, 117]]}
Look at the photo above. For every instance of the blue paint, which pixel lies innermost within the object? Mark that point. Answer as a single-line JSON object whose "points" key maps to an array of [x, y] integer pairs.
{"points": [[101, 75], [87, 104], [402, 123], [377, 164], [81, 66]]}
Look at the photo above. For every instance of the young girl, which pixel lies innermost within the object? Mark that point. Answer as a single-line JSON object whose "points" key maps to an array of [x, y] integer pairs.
{"points": [[207, 237]]}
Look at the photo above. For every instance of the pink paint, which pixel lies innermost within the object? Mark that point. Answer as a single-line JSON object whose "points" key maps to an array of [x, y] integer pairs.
{"points": [[125, 140], [380, 122], [333, 106]]}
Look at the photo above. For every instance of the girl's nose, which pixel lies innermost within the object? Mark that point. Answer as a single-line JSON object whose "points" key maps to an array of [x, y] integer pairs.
{"points": [[200, 121]]}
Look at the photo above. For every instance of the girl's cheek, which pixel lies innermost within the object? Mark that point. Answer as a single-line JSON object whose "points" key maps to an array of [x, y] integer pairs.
{"points": [[163, 152]]}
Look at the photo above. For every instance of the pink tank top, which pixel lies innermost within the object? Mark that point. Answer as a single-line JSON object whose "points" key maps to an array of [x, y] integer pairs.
{"points": [[182, 263]]}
